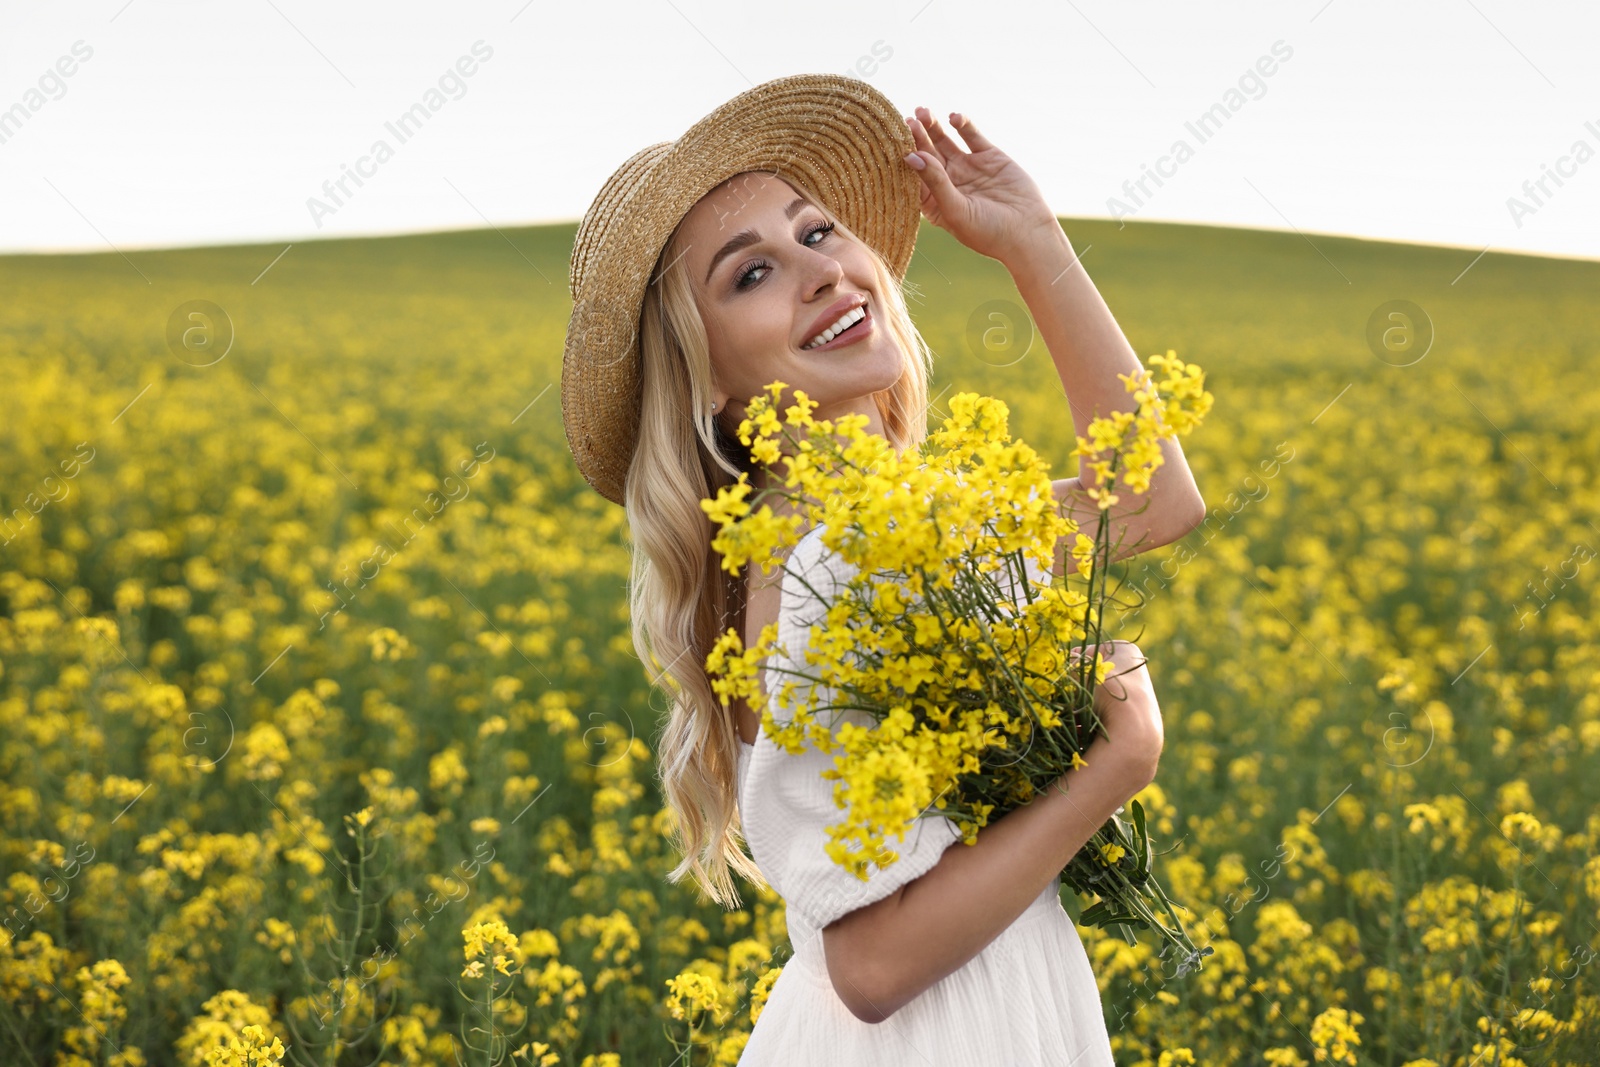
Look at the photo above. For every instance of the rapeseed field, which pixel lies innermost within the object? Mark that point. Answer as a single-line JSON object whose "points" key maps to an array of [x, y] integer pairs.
{"points": [[322, 739]]}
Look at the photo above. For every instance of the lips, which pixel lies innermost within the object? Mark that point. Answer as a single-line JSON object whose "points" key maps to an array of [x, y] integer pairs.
{"points": [[831, 316], [861, 328]]}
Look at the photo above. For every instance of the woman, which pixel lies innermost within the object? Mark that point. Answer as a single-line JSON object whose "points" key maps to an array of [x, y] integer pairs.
{"points": [[770, 242]]}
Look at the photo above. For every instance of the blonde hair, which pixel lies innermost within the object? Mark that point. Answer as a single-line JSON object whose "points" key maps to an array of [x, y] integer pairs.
{"points": [[681, 599]]}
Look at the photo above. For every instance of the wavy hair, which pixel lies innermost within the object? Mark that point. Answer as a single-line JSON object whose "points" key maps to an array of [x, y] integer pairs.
{"points": [[681, 598]]}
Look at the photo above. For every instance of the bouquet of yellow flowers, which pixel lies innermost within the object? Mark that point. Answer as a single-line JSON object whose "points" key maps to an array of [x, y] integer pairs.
{"points": [[975, 676]]}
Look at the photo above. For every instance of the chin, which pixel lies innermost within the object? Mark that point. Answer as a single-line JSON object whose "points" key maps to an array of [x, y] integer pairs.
{"points": [[883, 369], [834, 377]]}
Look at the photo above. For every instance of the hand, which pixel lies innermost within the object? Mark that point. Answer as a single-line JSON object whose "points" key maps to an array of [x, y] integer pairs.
{"points": [[1127, 706], [982, 197]]}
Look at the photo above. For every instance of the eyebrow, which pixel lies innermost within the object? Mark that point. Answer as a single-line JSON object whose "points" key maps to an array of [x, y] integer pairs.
{"points": [[746, 238]]}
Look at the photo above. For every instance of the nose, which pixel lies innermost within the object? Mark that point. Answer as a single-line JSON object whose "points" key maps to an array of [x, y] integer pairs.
{"points": [[827, 272]]}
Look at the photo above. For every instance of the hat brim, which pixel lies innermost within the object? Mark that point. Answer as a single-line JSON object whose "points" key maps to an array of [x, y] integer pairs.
{"points": [[837, 136]]}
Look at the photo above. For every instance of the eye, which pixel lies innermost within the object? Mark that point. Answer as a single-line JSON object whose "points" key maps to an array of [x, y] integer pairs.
{"points": [[740, 284]]}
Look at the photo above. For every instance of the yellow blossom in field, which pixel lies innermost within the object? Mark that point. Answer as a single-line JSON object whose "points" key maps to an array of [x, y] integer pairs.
{"points": [[120, 790], [1423, 815], [99, 1009], [761, 990], [232, 1031], [692, 992], [1392, 593], [537, 1053], [252, 1050], [447, 773], [266, 752], [1334, 1034], [389, 644], [539, 942], [1285, 1056], [1524, 829], [1514, 796], [278, 936], [730, 1048], [493, 939], [1537, 1019]]}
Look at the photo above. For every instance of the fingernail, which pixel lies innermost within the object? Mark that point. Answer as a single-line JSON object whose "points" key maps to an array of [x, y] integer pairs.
{"points": [[916, 161]]}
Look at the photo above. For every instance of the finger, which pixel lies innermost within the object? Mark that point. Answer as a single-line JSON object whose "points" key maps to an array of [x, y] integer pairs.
{"points": [[946, 145], [929, 204], [919, 135], [918, 162], [969, 133], [937, 181]]}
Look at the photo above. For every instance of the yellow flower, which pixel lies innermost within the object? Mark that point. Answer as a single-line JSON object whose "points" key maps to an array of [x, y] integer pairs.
{"points": [[694, 991], [488, 938], [938, 634], [728, 505], [1335, 1037], [1523, 829], [766, 451]]}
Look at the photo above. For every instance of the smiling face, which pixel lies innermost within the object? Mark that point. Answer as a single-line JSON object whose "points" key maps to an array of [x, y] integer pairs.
{"points": [[769, 274]]}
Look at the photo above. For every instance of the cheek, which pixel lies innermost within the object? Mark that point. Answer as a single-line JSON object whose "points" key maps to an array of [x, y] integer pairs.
{"points": [[728, 346], [758, 330], [718, 340]]}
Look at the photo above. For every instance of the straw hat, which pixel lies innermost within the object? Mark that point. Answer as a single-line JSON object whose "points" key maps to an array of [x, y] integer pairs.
{"points": [[835, 135]]}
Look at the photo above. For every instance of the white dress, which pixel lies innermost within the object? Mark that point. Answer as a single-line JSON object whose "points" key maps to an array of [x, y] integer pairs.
{"points": [[1028, 999]]}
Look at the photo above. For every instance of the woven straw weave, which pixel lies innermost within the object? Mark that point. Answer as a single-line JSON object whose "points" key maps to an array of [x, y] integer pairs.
{"points": [[836, 135]]}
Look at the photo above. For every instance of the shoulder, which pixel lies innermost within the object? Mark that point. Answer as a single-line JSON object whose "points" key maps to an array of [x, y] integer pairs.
{"points": [[813, 572]]}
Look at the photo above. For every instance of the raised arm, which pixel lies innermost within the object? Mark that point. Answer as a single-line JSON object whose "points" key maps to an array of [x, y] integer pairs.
{"points": [[1089, 350], [880, 957], [984, 198]]}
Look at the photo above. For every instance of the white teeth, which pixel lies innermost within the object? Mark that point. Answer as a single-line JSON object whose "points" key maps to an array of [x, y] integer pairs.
{"points": [[852, 316]]}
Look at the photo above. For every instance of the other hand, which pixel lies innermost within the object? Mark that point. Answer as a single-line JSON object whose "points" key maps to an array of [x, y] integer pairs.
{"points": [[982, 197], [1127, 707]]}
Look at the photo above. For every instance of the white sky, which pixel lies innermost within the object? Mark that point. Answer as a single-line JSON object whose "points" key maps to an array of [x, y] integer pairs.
{"points": [[203, 123]]}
